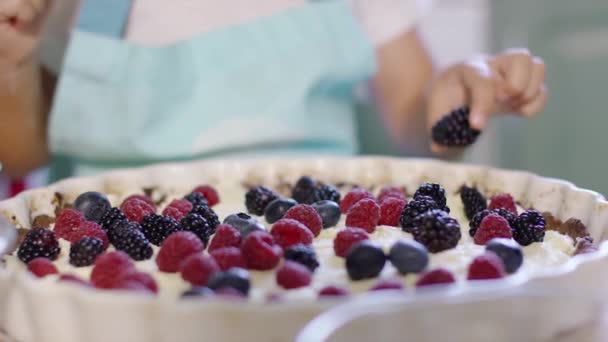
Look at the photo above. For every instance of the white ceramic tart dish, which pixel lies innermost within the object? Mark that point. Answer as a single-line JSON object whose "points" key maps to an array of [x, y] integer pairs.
{"points": [[42, 310]]}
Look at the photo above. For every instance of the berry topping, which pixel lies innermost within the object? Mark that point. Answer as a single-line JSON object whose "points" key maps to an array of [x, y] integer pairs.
{"points": [[305, 191], [38, 242], [74, 279], [503, 201], [529, 228], [209, 193], [141, 278], [333, 291], [177, 247], [228, 257], [329, 211], [258, 198], [198, 225], [306, 215], [111, 217], [276, 209], [92, 205], [41, 267], [244, 223], [391, 191], [347, 238], [84, 251], [141, 198], [454, 129], [365, 260], [303, 254], [157, 228], [509, 251], [235, 278], [435, 277], [492, 226], [198, 292], [434, 191], [365, 214], [67, 222], [390, 211], [127, 237], [136, 209], [472, 200], [352, 197], [110, 268], [208, 214], [436, 230], [225, 236], [292, 275], [476, 220], [288, 232], [409, 256], [415, 207], [91, 229], [131, 285], [198, 268], [326, 192], [260, 252], [387, 284], [177, 209], [486, 266], [196, 198]]}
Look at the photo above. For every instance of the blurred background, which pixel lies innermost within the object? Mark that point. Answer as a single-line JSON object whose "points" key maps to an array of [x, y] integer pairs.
{"points": [[566, 141]]}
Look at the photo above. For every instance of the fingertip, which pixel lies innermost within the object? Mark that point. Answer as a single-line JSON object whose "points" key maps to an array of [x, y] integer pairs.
{"points": [[437, 149], [478, 120]]}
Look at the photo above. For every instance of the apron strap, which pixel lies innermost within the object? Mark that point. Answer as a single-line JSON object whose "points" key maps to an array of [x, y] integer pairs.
{"points": [[105, 17]]}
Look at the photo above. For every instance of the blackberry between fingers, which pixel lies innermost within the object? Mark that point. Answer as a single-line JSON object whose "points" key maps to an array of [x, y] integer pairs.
{"points": [[529, 227], [472, 200], [436, 192], [128, 237], [258, 198], [454, 129], [156, 228], [436, 230], [38, 242], [415, 207], [84, 251]]}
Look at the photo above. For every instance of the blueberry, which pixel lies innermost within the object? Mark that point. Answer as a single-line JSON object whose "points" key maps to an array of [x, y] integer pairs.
{"points": [[509, 251], [329, 212], [365, 260], [409, 256], [277, 209], [200, 291], [93, 205], [305, 191], [302, 254], [244, 223], [236, 278]]}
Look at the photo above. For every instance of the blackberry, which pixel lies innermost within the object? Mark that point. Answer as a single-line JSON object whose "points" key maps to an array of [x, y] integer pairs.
{"points": [[529, 228], [454, 129], [302, 254], [415, 207], [197, 224], [127, 237], [258, 198], [84, 251], [472, 200], [436, 192], [156, 228], [111, 216], [39, 242], [305, 191], [208, 214], [327, 192], [476, 220], [436, 230], [196, 198]]}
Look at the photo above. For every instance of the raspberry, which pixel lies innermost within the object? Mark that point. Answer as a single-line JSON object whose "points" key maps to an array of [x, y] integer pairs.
{"points": [[144, 279], [177, 209], [67, 223], [198, 268], [131, 285], [435, 277], [387, 284], [210, 194], [225, 236], [434, 191], [472, 200], [454, 129], [74, 279], [352, 197], [90, 229], [391, 191], [492, 226], [126, 236], [288, 232], [364, 214], [503, 201], [41, 267], [436, 230], [208, 214], [228, 257], [292, 275], [307, 215], [346, 238], [302, 254], [529, 227], [196, 198], [260, 252], [84, 251], [417, 206], [135, 209], [333, 291], [256, 200], [486, 266], [196, 224], [141, 198], [111, 217], [326, 192], [38, 242], [177, 247], [157, 228], [476, 220], [109, 269], [390, 211]]}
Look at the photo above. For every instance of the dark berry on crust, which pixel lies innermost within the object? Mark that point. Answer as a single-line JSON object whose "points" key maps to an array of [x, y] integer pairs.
{"points": [[197, 224], [128, 237], [111, 216], [208, 214], [326, 192], [196, 198], [476, 220], [454, 129], [436, 192], [436, 230], [157, 228], [529, 228], [93, 205], [305, 191], [472, 200], [417, 206], [38, 242], [84, 251], [258, 198], [302, 254]]}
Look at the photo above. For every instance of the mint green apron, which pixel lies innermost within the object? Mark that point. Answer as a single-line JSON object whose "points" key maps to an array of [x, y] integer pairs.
{"points": [[280, 84]]}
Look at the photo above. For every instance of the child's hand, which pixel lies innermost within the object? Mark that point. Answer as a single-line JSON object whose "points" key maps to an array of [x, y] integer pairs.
{"points": [[20, 28], [513, 81]]}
